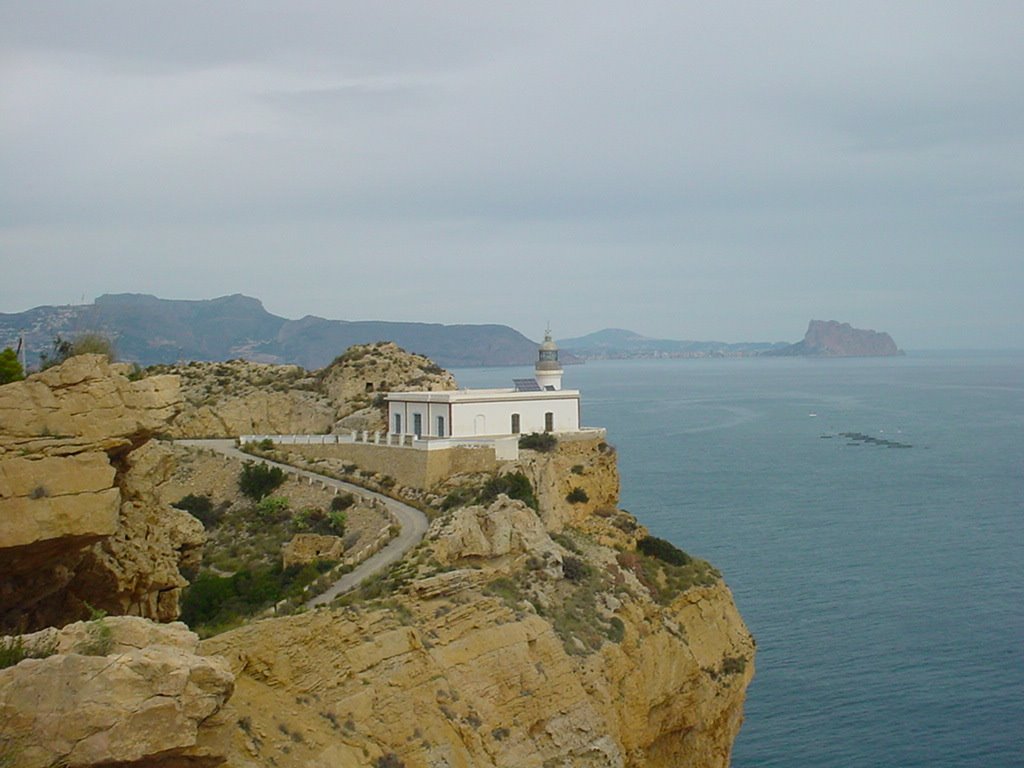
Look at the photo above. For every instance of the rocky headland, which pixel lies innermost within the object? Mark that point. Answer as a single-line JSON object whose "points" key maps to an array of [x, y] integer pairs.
{"points": [[240, 397], [829, 338], [545, 628]]}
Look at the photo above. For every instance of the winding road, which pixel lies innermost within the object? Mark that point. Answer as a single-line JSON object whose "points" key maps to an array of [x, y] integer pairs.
{"points": [[413, 522]]}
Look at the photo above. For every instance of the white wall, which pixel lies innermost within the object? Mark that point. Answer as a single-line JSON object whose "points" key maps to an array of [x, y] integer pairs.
{"points": [[429, 412], [487, 418], [497, 416]]}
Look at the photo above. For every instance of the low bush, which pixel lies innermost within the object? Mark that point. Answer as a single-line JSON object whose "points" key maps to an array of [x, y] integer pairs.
{"points": [[13, 650], [224, 600], [577, 496], [201, 508], [272, 508], [665, 551], [515, 485], [574, 569], [259, 480], [342, 501], [543, 442]]}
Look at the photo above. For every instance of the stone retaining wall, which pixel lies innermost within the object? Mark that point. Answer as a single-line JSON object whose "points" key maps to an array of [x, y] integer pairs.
{"points": [[409, 467]]}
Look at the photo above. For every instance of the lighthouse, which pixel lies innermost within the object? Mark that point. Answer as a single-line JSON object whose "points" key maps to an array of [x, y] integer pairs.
{"points": [[548, 371]]}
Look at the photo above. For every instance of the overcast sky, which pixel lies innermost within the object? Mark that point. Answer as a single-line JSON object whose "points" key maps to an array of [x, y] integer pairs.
{"points": [[712, 170]]}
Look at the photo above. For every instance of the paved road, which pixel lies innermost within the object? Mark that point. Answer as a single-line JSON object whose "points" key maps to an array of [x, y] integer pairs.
{"points": [[413, 522]]}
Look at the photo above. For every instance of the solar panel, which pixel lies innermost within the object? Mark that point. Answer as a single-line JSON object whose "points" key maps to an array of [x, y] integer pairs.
{"points": [[527, 385]]}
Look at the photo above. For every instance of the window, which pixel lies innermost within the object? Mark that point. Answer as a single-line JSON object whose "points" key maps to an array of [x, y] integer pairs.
{"points": [[417, 424], [549, 422], [398, 423], [440, 426], [515, 423]]}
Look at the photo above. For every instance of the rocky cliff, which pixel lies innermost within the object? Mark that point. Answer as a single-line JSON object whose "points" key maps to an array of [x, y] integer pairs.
{"points": [[80, 522], [828, 338], [511, 638], [244, 398]]}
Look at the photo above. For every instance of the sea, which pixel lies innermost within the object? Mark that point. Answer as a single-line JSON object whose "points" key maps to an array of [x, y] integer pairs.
{"points": [[868, 515]]}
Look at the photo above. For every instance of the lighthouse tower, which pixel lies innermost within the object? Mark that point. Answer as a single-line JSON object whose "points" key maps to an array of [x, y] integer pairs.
{"points": [[548, 371]]}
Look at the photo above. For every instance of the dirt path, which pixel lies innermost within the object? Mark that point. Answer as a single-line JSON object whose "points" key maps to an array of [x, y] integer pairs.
{"points": [[413, 522]]}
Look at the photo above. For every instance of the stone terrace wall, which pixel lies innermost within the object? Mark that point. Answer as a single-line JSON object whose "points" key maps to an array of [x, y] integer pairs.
{"points": [[409, 467]]}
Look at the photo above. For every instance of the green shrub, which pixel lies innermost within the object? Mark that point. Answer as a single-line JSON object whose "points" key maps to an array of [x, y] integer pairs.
{"points": [[201, 508], [577, 496], [10, 367], [266, 444], [342, 501], [13, 650], [223, 600], [544, 442], [663, 550], [459, 497], [272, 508], [515, 485], [258, 480], [577, 469], [99, 637]]}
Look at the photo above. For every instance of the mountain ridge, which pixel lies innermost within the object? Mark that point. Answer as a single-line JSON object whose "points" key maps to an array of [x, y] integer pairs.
{"points": [[150, 330]]}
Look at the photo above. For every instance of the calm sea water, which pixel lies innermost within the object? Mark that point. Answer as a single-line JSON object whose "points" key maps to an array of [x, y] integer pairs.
{"points": [[885, 586]]}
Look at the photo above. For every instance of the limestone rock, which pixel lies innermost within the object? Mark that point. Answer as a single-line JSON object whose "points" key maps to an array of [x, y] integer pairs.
{"points": [[79, 518], [84, 397], [309, 547], [143, 703], [506, 528], [239, 397], [488, 687], [367, 369], [588, 464]]}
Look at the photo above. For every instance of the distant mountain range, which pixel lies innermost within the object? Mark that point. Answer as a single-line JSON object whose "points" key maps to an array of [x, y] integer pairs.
{"points": [[149, 330], [618, 343]]}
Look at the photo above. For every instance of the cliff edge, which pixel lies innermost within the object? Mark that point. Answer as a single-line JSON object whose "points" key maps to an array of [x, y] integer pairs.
{"points": [[513, 636]]}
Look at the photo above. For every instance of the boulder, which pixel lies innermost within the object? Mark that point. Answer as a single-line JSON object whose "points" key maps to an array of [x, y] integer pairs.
{"points": [[141, 702]]}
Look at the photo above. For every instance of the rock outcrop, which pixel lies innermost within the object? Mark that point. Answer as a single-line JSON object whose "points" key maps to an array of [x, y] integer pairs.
{"points": [[513, 646], [828, 338], [491, 684], [79, 519], [244, 398], [575, 462], [115, 691]]}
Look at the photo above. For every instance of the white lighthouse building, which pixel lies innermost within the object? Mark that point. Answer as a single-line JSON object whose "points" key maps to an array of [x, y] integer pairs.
{"points": [[538, 404]]}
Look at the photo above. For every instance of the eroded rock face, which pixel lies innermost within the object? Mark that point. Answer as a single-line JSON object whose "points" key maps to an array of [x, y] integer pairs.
{"points": [[142, 698], [499, 655], [79, 518], [246, 398], [488, 687], [588, 464], [505, 529], [367, 369]]}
